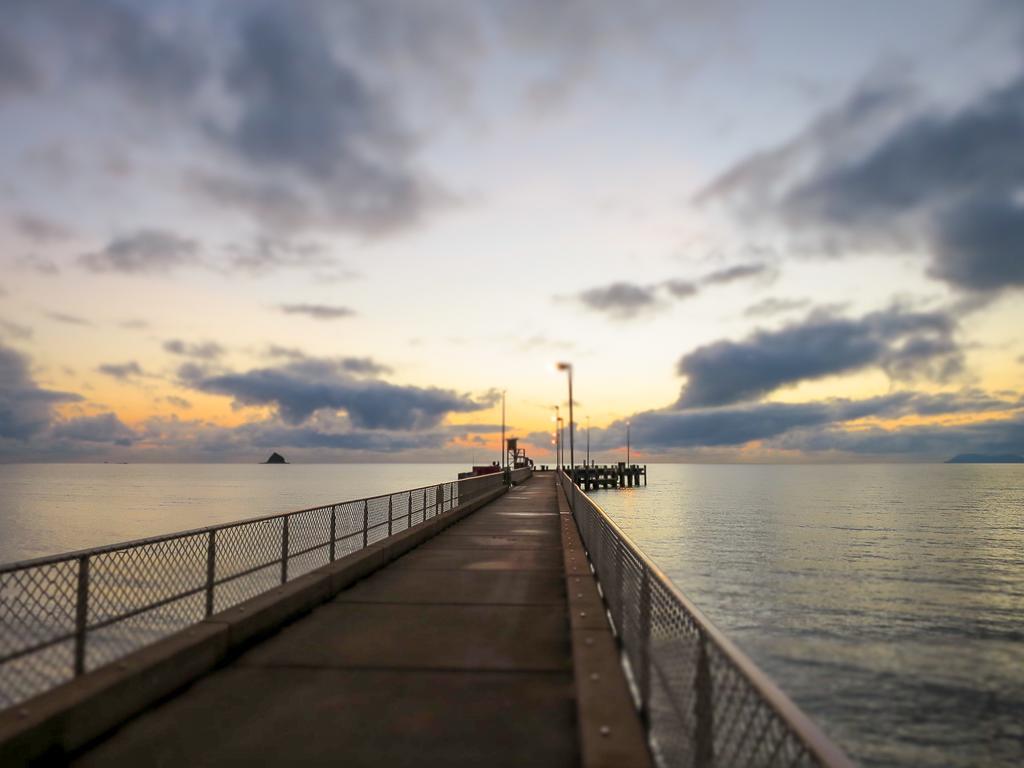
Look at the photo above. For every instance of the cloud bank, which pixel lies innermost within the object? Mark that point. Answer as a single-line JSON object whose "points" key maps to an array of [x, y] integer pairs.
{"points": [[299, 389], [870, 176], [902, 343]]}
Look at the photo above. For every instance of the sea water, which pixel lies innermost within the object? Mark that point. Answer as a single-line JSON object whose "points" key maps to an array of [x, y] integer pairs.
{"points": [[887, 600]]}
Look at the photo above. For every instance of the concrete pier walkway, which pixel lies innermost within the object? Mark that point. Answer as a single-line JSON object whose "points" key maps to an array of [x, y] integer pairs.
{"points": [[486, 645]]}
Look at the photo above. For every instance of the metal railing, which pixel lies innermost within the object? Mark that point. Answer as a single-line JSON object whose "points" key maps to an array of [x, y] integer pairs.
{"points": [[64, 615], [702, 700]]}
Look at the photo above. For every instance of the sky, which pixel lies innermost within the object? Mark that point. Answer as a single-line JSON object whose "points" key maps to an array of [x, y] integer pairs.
{"points": [[788, 231]]}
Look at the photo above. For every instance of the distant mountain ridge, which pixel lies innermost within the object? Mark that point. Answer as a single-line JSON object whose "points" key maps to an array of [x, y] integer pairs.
{"points": [[987, 458]]}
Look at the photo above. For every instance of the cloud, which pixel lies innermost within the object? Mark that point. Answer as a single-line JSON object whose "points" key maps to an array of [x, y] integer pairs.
{"points": [[307, 115], [121, 371], [63, 317], [265, 254], [301, 388], [738, 272], [947, 183], [681, 289], [303, 105], [104, 428], [926, 441], [206, 350], [270, 202], [357, 366], [317, 311], [26, 409], [178, 402], [903, 343], [621, 300], [847, 129], [568, 43], [18, 73], [147, 251], [39, 264], [375, 441], [15, 330], [171, 438], [39, 229], [157, 64], [624, 300], [813, 426], [363, 366], [775, 306], [291, 353]]}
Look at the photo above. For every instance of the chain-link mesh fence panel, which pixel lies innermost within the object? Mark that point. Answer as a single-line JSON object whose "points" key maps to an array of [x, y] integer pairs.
{"points": [[37, 624], [69, 614], [704, 703]]}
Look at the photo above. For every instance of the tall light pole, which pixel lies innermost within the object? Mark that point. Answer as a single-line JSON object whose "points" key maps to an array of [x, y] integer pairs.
{"points": [[627, 443], [588, 441], [504, 452], [567, 367], [561, 442], [557, 418]]}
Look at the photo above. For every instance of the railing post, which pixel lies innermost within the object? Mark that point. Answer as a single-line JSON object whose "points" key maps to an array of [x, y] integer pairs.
{"points": [[390, 508], [81, 614], [211, 570], [334, 524], [705, 742], [424, 505], [366, 522], [439, 501], [284, 550], [644, 673], [408, 524]]}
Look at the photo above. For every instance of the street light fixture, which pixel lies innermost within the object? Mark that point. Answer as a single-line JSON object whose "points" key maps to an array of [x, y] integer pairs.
{"points": [[567, 367]]}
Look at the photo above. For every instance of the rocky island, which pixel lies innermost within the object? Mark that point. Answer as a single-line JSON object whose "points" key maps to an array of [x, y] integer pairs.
{"points": [[275, 458], [987, 458]]}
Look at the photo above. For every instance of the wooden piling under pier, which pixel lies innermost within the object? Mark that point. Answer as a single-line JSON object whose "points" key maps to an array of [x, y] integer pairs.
{"points": [[592, 478]]}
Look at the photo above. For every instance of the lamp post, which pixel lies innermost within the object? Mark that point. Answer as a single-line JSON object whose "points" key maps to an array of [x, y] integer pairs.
{"points": [[557, 418], [567, 367], [627, 443], [504, 450], [588, 441], [561, 442]]}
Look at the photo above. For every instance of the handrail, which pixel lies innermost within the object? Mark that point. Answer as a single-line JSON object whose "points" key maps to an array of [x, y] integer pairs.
{"points": [[789, 735], [63, 615], [48, 559]]}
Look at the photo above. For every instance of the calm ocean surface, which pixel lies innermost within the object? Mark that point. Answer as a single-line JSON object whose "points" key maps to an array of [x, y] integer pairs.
{"points": [[887, 600]]}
